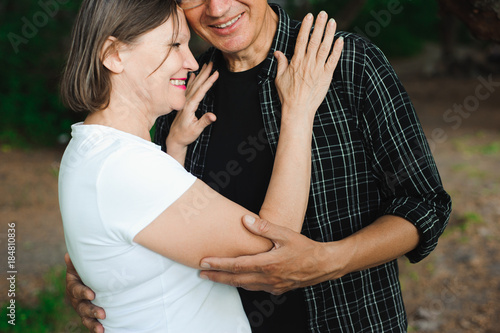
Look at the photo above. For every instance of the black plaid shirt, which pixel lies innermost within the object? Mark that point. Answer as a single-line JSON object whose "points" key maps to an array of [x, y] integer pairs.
{"points": [[369, 158]]}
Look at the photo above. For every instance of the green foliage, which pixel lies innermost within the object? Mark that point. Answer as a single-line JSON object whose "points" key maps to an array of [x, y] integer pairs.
{"points": [[33, 40], [398, 27], [50, 313]]}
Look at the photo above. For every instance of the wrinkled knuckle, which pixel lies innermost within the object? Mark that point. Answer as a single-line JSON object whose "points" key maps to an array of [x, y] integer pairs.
{"points": [[71, 291], [323, 52], [313, 43], [294, 66], [237, 268], [88, 324], [80, 308], [302, 40], [277, 282], [83, 309], [235, 283], [264, 226], [268, 269]]}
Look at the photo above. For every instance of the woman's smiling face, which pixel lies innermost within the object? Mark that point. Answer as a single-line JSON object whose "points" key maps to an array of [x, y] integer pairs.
{"points": [[158, 79]]}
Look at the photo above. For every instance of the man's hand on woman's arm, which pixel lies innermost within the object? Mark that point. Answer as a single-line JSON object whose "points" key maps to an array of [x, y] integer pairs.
{"points": [[297, 261], [80, 296]]}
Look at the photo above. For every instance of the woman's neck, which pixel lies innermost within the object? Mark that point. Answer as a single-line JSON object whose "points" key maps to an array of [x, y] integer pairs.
{"points": [[124, 115]]}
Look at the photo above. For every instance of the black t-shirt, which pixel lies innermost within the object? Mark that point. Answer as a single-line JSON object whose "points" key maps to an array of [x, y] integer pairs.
{"points": [[238, 165]]}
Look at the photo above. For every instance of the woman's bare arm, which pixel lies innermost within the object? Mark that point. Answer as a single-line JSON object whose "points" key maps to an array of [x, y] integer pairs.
{"points": [[78, 293], [203, 223]]}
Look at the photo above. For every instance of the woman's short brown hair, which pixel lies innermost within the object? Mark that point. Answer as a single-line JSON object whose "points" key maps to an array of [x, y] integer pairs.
{"points": [[86, 83]]}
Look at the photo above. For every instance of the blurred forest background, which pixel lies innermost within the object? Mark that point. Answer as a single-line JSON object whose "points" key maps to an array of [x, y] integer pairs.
{"points": [[34, 38], [447, 55]]}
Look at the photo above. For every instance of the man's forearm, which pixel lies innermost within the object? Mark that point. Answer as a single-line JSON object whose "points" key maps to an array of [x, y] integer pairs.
{"points": [[386, 239], [297, 261]]}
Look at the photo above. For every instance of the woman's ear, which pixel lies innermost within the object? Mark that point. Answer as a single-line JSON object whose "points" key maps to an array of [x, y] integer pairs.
{"points": [[110, 55]]}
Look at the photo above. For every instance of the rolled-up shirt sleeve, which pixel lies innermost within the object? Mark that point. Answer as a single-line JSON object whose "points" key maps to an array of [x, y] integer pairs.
{"points": [[411, 187]]}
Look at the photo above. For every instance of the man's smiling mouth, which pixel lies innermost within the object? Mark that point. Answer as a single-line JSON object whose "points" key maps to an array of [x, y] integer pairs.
{"points": [[227, 24]]}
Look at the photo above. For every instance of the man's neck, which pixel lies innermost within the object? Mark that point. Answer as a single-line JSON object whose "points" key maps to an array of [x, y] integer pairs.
{"points": [[255, 54]]}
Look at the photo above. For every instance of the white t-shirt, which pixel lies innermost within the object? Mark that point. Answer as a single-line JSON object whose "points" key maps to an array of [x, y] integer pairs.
{"points": [[111, 185]]}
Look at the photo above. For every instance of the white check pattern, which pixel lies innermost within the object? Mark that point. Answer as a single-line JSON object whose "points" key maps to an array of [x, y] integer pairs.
{"points": [[369, 158]]}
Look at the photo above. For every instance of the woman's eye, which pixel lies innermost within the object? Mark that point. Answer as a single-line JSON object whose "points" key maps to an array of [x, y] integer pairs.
{"points": [[176, 44]]}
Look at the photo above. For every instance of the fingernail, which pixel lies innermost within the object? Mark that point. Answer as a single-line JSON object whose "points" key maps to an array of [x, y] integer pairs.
{"points": [[249, 219], [95, 314], [341, 38], [331, 21], [322, 13], [205, 265], [309, 16], [204, 277]]}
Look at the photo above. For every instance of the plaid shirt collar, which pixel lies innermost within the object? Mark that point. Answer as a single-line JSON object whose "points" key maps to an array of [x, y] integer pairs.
{"points": [[284, 33]]}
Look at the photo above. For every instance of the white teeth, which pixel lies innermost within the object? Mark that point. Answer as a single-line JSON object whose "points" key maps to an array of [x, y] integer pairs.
{"points": [[227, 24], [178, 82]]}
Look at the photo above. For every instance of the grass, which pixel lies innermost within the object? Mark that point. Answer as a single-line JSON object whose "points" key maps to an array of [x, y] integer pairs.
{"points": [[463, 224], [50, 314], [469, 219], [484, 147], [471, 171], [492, 148]]}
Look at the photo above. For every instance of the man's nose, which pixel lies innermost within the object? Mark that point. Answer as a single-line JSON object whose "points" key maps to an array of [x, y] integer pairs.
{"points": [[217, 8]]}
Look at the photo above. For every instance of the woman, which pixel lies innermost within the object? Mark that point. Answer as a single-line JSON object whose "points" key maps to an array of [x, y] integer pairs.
{"points": [[136, 223]]}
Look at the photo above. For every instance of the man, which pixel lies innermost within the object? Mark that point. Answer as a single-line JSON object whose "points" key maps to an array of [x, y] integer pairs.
{"points": [[375, 191]]}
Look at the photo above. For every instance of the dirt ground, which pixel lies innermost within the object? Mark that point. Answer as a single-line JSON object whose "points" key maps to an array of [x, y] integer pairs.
{"points": [[456, 289]]}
